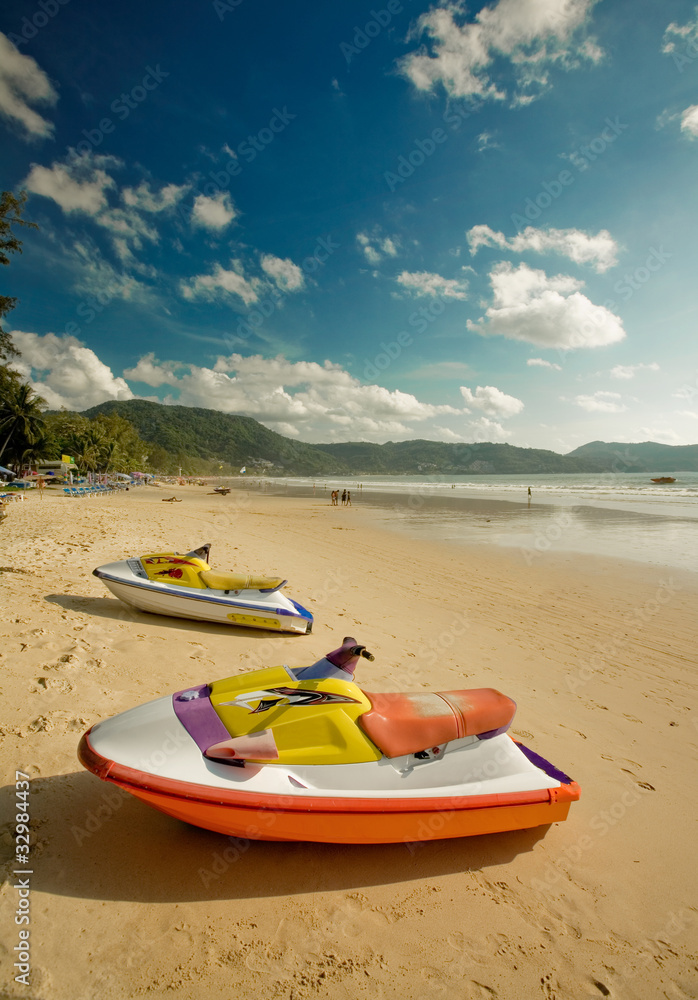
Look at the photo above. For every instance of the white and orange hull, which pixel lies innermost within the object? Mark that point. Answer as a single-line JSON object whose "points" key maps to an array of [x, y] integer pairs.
{"points": [[477, 787]]}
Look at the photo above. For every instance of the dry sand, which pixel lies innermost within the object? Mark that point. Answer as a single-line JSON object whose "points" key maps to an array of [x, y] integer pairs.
{"points": [[125, 902]]}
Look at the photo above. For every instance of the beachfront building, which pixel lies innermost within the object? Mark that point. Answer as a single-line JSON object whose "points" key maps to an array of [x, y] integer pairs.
{"points": [[63, 469]]}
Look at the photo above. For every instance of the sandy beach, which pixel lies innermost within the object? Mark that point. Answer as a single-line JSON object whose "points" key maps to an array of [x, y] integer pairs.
{"points": [[599, 654]]}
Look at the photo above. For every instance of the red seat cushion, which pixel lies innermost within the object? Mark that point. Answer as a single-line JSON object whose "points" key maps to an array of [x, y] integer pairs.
{"points": [[405, 723]]}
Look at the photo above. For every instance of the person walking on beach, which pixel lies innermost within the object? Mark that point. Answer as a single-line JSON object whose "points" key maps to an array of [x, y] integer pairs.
{"points": [[334, 496], [348, 498], [344, 497], [529, 494]]}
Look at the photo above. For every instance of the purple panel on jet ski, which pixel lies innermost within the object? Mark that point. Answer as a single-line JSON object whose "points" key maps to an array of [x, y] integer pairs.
{"points": [[544, 765], [194, 710]]}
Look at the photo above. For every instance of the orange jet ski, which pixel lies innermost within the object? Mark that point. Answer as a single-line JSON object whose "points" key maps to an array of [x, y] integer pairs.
{"points": [[306, 754]]}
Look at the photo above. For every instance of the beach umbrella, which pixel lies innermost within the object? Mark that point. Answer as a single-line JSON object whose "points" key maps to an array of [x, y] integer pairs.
{"points": [[6, 472]]}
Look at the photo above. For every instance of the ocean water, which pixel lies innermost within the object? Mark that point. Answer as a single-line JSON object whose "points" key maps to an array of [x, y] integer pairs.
{"points": [[624, 516]]}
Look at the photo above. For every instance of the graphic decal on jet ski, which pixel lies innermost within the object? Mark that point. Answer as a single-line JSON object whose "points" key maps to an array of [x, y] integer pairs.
{"points": [[273, 697]]}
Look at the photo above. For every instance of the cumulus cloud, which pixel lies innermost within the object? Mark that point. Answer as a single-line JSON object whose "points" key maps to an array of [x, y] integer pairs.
{"points": [[492, 401], [433, 285], [601, 402], [680, 39], [485, 429], [77, 185], [541, 363], [376, 246], [317, 402], [284, 273], [531, 35], [95, 276], [221, 284], [546, 311], [145, 199], [601, 250], [689, 121], [65, 372], [81, 184], [628, 371], [23, 83], [213, 213]]}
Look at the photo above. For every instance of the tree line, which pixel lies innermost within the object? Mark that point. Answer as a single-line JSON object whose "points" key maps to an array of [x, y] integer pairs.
{"points": [[29, 435]]}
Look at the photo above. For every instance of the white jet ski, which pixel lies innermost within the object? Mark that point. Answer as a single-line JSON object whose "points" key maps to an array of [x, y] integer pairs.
{"points": [[185, 586]]}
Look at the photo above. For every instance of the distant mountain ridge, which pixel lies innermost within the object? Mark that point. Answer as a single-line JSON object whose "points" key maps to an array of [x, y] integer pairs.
{"points": [[181, 433], [646, 456]]}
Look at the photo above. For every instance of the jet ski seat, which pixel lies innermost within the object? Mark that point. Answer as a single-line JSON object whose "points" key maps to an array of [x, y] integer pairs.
{"points": [[407, 723], [239, 581]]}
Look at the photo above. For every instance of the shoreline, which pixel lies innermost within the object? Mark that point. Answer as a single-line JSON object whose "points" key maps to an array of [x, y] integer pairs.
{"points": [[600, 659], [591, 528]]}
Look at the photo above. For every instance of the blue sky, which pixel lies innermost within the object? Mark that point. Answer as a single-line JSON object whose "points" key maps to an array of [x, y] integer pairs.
{"points": [[387, 222]]}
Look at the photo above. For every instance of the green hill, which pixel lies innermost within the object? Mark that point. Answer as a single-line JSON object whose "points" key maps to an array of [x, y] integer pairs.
{"points": [[647, 456], [440, 458], [202, 440], [186, 433]]}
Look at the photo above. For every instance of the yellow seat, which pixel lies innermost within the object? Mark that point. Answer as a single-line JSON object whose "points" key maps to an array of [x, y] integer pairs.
{"points": [[239, 581]]}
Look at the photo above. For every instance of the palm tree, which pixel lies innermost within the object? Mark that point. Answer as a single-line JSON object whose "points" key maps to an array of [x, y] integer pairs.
{"points": [[20, 418]]}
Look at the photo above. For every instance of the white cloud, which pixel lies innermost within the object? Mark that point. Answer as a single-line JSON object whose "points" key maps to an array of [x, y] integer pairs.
{"points": [[546, 311], [441, 369], [81, 184], [628, 371], [97, 277], [662, 434], [492, 401], [681, 39], [146, 200], [285, 274], [65, 372], [689, 121], [540, 363], [213, 213], [485, 429], [221, 284], [23, 83], [77, 185], [320, 402], [433, 285], [375, 247], [601, 402], [600, 250], [532, 34]]}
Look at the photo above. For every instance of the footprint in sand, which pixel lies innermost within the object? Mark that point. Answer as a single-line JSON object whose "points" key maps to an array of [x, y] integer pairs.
{"points": [[642, 784], [548, 986]]}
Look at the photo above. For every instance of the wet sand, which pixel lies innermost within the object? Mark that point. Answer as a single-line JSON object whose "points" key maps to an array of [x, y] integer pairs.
{"points": [[599, 655]]}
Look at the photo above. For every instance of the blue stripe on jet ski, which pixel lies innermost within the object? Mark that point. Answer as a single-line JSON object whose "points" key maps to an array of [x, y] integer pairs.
{"points": [[209, 600]]}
